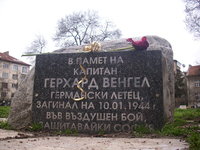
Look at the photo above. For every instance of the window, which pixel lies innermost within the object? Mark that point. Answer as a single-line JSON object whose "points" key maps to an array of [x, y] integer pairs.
{"points": [[15, 67], [24, 69], [23, 76], [197, 96], [5, 75], [14, 76], [3, 94], [4, 85], [197, 84], [15, 85], [5, 65], [12, 95]]}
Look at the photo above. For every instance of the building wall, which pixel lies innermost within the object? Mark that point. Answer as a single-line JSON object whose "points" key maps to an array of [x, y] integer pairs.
{"points": [[193, 84], [177, 66], [11, 75], [179, 100]]}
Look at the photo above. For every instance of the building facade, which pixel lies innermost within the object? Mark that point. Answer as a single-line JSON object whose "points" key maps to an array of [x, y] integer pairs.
{"points": [[193, 86], [12, 72], [180, 85]]}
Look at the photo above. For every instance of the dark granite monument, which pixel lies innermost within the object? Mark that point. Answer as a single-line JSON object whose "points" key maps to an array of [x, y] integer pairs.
{"points": [[116, 91]]}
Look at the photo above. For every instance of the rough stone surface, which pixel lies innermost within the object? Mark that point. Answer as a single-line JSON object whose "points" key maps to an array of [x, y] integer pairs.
{"points": [[21, 106], [20, 115], [129, 86], [157, 43]]}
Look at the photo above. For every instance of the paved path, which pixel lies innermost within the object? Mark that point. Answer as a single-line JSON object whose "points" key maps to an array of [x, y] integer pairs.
{"points": [[27, 142]]}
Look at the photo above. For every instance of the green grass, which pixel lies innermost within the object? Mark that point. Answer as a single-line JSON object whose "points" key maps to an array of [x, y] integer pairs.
{"points": [[66, 132], [5, 125], [4, 111], [35, 127], [70, 132], [101, 132], [187, 114], [141, 130], [186, 124], [194, 140]]}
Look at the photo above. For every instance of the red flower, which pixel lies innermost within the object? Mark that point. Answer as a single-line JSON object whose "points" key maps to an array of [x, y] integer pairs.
{"points": [[139, 45]]}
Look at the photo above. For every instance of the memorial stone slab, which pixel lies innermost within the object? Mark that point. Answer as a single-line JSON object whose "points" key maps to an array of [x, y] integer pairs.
{"points": [[118, 91]]}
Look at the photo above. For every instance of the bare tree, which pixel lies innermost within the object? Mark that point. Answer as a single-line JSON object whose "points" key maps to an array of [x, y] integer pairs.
{"points": [[192, 20], [83, 28], [36, 47]]}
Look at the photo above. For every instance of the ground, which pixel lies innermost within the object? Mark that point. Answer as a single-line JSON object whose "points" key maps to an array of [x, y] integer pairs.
{"points": [[13, 140], [182, 133]]}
